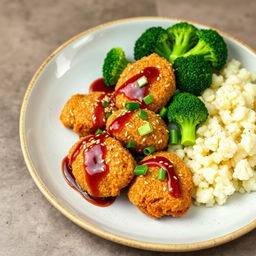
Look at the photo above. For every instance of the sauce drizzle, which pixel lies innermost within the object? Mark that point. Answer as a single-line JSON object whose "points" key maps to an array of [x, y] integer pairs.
{"points": [[95, 168], [173, 181], [132, 91], [98, 116], [99, 85], [118, 123]]}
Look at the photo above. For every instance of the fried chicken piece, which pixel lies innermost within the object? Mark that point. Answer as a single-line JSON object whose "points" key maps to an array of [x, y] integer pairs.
{"points": [[129, 132], [152, 196], [120, 167], [161, 89], [84, 113]]}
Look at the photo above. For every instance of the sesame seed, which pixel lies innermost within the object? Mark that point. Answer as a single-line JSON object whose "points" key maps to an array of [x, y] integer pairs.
{"points": [[145, 182], [170, 189], [165, 163], [164, 188], [175, 177]]}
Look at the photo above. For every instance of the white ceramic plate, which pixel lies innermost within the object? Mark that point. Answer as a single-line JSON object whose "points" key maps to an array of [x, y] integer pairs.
{"points": [[45, 141]]}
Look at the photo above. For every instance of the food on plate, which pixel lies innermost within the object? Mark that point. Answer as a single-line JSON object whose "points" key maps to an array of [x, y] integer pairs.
{"points": [[135, 110], [211, 45], [85, 113], [182, 40], [223, 159], [193, 74], [139, 130], [114, 64], [162, 186], [187, 111], [148, 42], [149, 81], [101, 165], [183, 37]]}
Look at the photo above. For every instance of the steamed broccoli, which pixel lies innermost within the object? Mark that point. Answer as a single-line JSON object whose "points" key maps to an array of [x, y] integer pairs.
{"points": [[193, 74], [212, 46], [153, 40], [114, 64], [187, 111], [183, 37]]}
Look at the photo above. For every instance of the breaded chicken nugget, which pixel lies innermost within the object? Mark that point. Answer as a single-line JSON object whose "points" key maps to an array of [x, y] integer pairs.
{"points": [[161, 89], [152, 196], [124, 125], [85, 113], [101, 165]]}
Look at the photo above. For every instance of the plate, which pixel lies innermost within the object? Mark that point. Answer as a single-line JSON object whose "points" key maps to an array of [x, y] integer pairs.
{"points": [[45, 141]]}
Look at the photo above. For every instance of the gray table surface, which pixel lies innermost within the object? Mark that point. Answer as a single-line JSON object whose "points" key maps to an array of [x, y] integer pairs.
{"points": [[30, 31]]}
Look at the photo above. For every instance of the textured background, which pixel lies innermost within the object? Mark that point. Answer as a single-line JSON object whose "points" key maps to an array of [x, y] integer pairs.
{"points": [[30, 31]]}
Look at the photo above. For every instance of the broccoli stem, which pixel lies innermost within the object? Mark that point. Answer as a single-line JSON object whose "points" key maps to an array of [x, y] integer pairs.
{"points": [[188, 134], [179, 48], [163, 50], [200, 49]]}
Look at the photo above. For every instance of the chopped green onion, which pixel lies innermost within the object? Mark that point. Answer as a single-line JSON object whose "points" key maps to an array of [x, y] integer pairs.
{"points": [[131, 144], [148, 99], [142, 114], [163, 112], [142, 81], [145, 129], [140, 170], [174, 137], [132, 105], [161, 174], [98, 131], [108, 114], [104, 103], [149, 150]]}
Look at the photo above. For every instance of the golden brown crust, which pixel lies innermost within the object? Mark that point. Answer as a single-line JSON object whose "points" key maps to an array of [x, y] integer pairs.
{"points": [[158, 138], [161, 90], [77, 113], [151, 195], [121, 168]]}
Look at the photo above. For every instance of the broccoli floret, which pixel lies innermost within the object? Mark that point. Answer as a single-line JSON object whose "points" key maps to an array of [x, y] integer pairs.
{"points": [[193, 74], [114, 64], [187, 111], [153, 40], [183, 37], [163, 47], [212, 46]]}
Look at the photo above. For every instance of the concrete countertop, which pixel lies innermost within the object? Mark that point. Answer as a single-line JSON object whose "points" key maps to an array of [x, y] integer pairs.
{"points": [[30, 31]]}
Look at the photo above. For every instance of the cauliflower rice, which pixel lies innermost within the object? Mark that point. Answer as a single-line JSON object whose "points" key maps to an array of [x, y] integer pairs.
{"points": [[223, 159]]}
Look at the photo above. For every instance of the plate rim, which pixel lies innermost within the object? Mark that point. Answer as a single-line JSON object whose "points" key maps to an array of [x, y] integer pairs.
{"points": [[85, 224]]}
